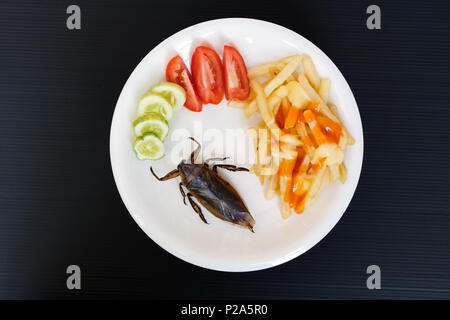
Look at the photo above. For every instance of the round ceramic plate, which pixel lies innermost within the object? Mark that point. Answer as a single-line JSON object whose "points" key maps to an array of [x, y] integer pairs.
{"points": [[157, 206]]}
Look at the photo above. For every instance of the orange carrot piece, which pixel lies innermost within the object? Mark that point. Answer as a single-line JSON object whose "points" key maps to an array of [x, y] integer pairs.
{"points": [[289, 194], [286, 167], [315, 129], [291, 118], [332, 129], [314, 106], [300, 203], [280, 118], [297, 184], [317, 166], [300, 156], [309, 116], [301, 118]]}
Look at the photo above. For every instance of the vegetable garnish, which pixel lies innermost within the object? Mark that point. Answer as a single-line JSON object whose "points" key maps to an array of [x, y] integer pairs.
{"points": [[155, 102], [155, 109], [177, 72], [149, 147], [237, 85], [173, 93], [151, 122], [207, 72]]}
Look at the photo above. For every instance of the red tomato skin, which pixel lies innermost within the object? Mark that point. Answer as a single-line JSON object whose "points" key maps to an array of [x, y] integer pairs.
{"points": [[207, 72], [177, 72], [234, 65]]}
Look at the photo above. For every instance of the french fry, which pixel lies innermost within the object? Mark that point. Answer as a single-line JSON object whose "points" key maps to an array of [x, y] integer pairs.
{"points": [[290, 58], [350, 140], [291, 77], [273, 102], [281, 92], [285, 210], [260, 70], [314, 96], [287, 152], [250, 109], [276, 106], [334, 172], [272, 169], [316, 184], [346, 135], [324, 90], [282, 76], [241, 104], [262, 105], [297, 95], [263, 140], [307, 143], [333, 108], [263, 69], [252, 132], [342, 172], [272, 187], [237, 104], [324, 182], [291, 139], [311, 72]]}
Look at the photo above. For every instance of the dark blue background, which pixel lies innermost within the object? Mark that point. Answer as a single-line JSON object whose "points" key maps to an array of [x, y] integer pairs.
{"points": [[59, 204]]}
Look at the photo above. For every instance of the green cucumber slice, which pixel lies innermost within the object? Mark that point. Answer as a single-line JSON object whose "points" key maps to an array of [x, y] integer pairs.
{"points": [[151, 122], [155, 102], [149, 147], [173, 93]]}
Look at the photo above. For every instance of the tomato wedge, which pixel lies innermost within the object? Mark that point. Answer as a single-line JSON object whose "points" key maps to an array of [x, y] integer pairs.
{"points": [[208, 75], [178, 73], [236, 80]]}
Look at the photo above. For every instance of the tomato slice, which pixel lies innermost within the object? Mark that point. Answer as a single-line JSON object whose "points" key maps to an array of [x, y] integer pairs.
{"points": [[236, 79], [178, 73], [208, 75]]}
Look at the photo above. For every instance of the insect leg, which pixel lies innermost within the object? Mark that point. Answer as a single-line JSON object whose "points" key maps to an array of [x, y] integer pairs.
{"points": [[196, 207], [172, 174], [215, 159], [182, 193], [194, 153], [229, 167]]}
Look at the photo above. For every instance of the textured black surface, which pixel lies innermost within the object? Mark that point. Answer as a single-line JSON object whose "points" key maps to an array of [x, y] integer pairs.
{"points": [[59, 204]]}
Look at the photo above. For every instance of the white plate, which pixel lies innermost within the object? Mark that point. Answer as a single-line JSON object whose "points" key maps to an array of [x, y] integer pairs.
{"points": [[157, 206]]}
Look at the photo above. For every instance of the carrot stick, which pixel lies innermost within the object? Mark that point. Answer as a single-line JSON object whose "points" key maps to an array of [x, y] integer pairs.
{"points": [[289, 194], [315, 106], [286, 167], [300, 203], [331, 128], [291, 118], [315, 129], [297, 184]]}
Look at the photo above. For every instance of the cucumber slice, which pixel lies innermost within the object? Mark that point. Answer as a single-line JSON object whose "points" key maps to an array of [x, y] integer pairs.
{"points": [[149, 147], [151, 122], [173, 93], [155, 102]]}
